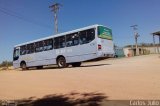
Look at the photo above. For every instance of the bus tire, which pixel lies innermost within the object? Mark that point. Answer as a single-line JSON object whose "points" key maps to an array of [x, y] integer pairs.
{"points": [[61, 62], [115, 56], [77, 64], [23, 66]]}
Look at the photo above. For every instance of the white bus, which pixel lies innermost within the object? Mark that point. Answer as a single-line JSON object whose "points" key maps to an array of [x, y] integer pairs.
{"points": [[68, 48]]}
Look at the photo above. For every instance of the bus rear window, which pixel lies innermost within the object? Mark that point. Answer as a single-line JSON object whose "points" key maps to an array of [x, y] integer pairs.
{"points": [[104, 33]]}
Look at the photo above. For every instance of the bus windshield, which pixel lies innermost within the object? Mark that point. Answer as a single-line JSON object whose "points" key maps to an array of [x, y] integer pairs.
{"points": [[104, 33]]}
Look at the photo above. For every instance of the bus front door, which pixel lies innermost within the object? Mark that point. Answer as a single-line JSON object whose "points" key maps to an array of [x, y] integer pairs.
{"points": [[16, 54]]}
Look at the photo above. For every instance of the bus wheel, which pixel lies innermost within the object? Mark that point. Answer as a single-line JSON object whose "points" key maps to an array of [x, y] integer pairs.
{"points": [[61, 62], [77, 64], [23, 66]]}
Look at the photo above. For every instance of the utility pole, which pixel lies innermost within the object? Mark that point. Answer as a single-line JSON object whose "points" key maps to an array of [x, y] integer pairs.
{"points": [[55, 8], [136, 37]]}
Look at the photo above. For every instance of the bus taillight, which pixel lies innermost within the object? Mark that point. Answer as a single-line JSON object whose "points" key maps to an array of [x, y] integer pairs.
{"points": [[99, 47]]}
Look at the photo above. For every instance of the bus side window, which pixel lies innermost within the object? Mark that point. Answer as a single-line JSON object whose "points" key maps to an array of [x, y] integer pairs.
{"points": [[56, 43], [39, 46], [72, 39], [82, 37], [62, 42], [23, 50], [27, 50], [30, 48], [87, 36], [59, 42], [90, 35], [36, 47], [48, 44]]}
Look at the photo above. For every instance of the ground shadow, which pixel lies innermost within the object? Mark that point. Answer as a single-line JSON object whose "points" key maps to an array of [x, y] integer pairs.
{"points": [[71, 99], [56, 67], [94, 65]]}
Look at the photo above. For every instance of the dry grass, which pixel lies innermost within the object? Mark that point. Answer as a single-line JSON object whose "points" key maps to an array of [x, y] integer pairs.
{"points": [[6, 68]]}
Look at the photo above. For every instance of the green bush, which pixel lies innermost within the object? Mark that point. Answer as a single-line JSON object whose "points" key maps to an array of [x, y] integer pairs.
{"points": [[6, 64]]}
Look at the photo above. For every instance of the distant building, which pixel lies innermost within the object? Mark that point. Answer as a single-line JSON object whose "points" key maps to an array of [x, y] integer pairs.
{"points": [[142, 49]]}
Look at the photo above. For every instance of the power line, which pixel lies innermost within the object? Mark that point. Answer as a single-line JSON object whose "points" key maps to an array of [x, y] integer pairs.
{"points": [[18, 16]]}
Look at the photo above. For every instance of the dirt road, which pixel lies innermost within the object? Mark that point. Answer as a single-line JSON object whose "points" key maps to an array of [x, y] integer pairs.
{"points": [[125, 78]]}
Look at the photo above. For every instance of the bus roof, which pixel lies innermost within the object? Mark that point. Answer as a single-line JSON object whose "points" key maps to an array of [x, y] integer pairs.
{"points": [[60, 34]]}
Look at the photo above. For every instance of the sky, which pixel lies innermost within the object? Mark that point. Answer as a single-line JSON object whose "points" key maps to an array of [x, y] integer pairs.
{"points": [[26, 20]]}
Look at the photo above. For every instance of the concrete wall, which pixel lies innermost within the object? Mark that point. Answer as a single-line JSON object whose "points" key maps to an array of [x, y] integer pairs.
{"points": [[153, 49], [130, 52]]}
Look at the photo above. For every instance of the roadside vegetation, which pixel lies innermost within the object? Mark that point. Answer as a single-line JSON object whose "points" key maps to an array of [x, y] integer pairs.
{"points": [[6, 65]]}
